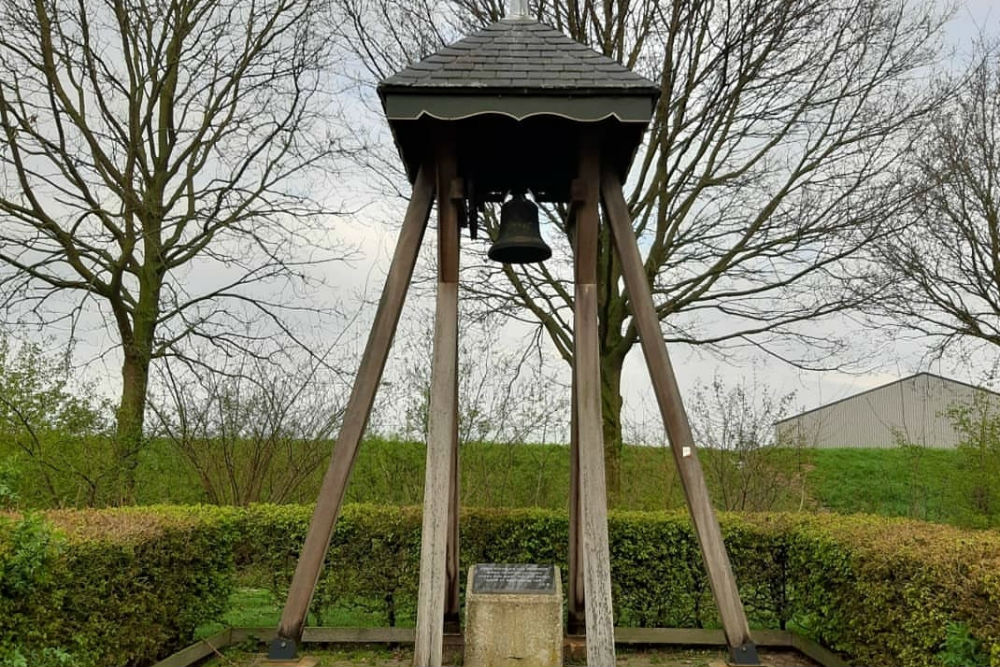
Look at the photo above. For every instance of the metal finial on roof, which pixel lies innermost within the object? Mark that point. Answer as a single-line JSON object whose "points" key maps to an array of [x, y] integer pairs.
{"points": [[519, 9]]}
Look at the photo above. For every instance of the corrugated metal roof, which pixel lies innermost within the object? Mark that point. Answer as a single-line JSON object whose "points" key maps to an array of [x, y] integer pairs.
{"points": [[519, 56], [885, 386], [913, 410]]}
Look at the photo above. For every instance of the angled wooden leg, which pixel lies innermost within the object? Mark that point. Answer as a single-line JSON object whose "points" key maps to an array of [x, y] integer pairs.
{"points": [[331, 494], [441, 430], [593, 490], [668, 396]]}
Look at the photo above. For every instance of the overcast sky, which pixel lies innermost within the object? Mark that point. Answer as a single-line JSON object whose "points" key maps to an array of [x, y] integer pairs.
{"points": [[877, 358], [882, 360]]}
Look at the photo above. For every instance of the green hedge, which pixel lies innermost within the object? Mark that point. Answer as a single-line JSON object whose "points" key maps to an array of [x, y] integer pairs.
{"points": [[123, 587], [113, 587], [879, 591]]}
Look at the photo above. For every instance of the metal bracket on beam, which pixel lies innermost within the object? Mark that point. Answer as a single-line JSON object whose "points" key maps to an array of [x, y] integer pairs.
{"points": [[744, 654], [281, 649]]}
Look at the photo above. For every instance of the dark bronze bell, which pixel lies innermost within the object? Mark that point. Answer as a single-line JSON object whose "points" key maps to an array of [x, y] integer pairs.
{"points": [[519, 241]]}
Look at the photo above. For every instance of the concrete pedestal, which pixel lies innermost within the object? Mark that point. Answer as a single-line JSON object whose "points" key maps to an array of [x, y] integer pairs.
{"points": [[508, 624]]}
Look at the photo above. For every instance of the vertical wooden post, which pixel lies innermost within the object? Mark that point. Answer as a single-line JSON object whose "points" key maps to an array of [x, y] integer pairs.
{"points": [[452, 603], [441, 426], [593, 489], [331, 494], [668, 396], [575, 596]]}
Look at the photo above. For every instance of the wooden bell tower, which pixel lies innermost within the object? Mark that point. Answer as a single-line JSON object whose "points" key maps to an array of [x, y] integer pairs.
{"points": [[517, 106]]}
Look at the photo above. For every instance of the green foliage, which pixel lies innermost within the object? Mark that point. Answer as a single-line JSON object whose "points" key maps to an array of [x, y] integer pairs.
{"points": [[56, 447], [126, 586], [31, 548], [28, 551], [960, 649], [880, 591], [371, 565], [9, 477], [120, 587], [977, 493]]}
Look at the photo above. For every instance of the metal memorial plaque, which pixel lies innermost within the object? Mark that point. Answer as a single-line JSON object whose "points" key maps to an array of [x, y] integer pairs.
{"points": [[518, 578]]}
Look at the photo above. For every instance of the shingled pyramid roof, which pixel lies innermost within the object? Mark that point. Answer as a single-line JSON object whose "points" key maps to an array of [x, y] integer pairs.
{"points": [[518, 55], [516, 96]]}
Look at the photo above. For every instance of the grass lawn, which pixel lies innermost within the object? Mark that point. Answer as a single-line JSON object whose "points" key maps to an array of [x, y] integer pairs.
{"points": [[921, 483], [913, 482], [257, 608]]}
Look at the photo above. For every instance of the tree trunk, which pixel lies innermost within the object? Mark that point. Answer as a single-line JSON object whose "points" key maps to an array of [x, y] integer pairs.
{"points": [[611, 420], [611, 315], [137, 334], [131, 413]]}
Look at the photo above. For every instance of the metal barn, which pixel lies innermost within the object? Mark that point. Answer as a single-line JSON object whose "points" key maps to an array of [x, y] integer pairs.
{"points": [[912, 409]]}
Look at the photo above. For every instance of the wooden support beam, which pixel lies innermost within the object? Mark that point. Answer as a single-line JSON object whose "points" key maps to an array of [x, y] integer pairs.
{"points": [[668, 396], [452, 603], [576, 602], [593, 489], [448, 255], [437, 527], [441, 429], [359, 405]]}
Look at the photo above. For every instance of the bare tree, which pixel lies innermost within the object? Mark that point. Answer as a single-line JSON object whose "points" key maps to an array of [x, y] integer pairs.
{"points": [[773, 157], [735, 426], [506, 396], [252, 432], [154, 165], [939, 275]]}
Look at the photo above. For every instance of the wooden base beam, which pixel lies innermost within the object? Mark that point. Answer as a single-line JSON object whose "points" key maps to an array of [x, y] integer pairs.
{"points": [[628, 636]]}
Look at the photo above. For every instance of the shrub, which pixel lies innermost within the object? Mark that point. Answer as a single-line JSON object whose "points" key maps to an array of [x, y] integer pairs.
{"points": [[974, 488], [117, 587], [884, 591], [880, 591], [254, 431], [373, 560], [56, 447], [125, 586], [28, 551], [960, 649]]}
